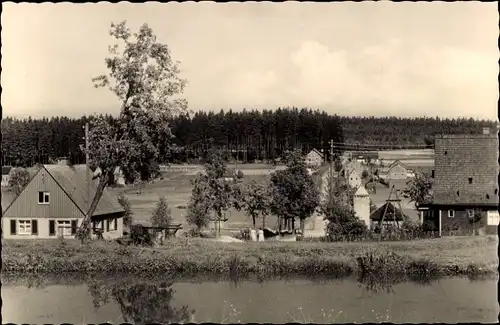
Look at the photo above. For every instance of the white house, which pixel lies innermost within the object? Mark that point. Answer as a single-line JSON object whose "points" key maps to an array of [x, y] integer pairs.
{"points": [[314, 158], [118, 174]]}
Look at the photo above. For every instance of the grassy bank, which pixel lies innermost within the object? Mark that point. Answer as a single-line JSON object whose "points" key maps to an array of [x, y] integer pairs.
{"points": [[194, 257]]}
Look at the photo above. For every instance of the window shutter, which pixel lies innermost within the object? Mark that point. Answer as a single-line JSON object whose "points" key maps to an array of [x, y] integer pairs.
{"points": [[13, 227], [73, 226], [52, 228], [34, 227], [40, 197]]}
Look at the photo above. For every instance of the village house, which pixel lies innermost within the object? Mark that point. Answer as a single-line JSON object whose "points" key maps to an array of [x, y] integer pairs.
{"points": [[465, 189], [314, 158], [352, 172], [6, 175], [397, 176], [54, 204]]}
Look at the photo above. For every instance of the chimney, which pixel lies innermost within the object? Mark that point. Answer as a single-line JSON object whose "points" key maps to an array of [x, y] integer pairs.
{"points": [[486, 130], [63, 161]]}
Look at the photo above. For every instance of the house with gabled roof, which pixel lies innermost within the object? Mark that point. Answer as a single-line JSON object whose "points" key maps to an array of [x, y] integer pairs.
{"points": [[397, 175], [465, 188], [314, 158], [55, 202]]}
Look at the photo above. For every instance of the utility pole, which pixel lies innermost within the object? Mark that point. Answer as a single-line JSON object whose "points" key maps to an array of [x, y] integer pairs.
{"points": [[87, 168]]}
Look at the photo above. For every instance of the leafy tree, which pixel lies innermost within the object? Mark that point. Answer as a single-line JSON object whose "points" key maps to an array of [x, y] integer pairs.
{"points": [[293, 192], [145, 80], [418, 189], [162, 216], [212, 194], [18, 179], [256, 201], [365, 174], [128, 217]]}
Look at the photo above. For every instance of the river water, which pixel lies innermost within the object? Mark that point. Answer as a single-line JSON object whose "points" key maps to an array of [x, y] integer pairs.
{"points": [[118, 299]]}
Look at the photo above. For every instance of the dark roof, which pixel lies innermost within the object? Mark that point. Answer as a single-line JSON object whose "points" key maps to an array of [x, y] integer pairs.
{"points": [[6, 170], [73, 180], [391, 213], [397, 162], [466, 169]]}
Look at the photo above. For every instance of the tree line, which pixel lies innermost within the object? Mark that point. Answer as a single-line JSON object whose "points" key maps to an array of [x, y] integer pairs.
{"points": [[244, 136]]}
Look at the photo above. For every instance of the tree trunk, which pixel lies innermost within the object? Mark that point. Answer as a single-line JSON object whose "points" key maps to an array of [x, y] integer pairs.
{"points": [[86, 224], [253, 219], [302, 226]]}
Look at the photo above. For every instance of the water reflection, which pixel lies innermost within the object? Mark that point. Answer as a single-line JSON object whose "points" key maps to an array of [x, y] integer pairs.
{"points": [[141, 303], [294, 299]]}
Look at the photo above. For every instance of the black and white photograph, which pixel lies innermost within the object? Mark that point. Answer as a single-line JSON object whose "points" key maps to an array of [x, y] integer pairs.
{"points": [[249, 162]]}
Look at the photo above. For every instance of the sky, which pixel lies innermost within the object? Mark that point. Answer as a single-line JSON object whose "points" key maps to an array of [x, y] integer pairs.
{"points": [[346, 58]]}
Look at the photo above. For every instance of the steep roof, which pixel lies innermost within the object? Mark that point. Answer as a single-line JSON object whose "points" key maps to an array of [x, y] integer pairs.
{"points": [[466, 169], [391, 214], [361, 191], [317, 151], [395, 163], [73, 181]]}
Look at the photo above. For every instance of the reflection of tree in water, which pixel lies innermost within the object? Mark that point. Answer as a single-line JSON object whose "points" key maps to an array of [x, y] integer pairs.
{"points": [[141, 303], [372, 283]]}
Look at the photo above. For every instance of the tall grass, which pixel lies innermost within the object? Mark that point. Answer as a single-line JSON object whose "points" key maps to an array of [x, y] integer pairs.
{"points": [[192, 257]]}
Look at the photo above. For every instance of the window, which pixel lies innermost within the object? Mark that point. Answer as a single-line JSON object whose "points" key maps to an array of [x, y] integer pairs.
{"points": [[111, 224], [64, 228], [470, 180], [493, 218], [24, 227], [43, 197], [451, 214], [98, 225]]}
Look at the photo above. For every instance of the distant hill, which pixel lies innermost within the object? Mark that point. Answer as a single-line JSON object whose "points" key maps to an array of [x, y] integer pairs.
{"points": [[410, 131]]}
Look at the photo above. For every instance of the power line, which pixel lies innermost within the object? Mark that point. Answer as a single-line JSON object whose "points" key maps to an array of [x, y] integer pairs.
{"points": [[377, 148], [379, 145]]}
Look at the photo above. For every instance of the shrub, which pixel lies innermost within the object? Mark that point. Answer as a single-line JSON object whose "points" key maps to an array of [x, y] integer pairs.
{"points": [[140, 236], [239, 174], [162, 216]]}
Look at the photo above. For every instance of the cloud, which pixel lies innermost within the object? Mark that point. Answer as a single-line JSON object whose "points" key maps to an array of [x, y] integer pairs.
{"points": [[395, 76]]}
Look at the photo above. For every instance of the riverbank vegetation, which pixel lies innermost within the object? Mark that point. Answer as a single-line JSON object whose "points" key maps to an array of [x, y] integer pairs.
{"points": [[195, 256]]}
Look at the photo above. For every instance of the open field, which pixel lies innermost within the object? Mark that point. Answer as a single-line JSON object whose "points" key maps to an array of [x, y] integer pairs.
{"points": [[176, 187], [193, 257]]}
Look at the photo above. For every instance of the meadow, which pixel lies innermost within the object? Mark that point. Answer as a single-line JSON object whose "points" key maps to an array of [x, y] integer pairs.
{"points": [[175, 184]]}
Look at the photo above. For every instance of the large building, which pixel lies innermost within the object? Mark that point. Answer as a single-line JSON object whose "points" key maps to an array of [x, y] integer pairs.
{"points": [[465, 189], [54, 204]]}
